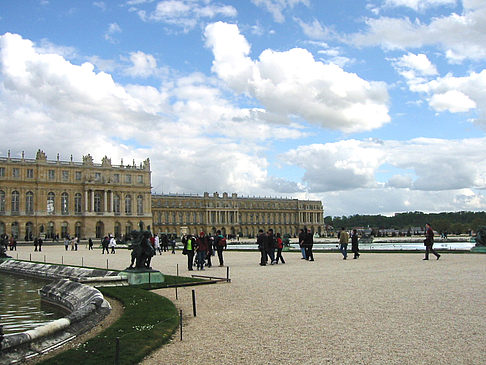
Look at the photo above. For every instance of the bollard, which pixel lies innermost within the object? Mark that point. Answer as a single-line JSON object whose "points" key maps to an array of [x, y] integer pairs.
{"points": [[62, 260], [30, 257], [177, 269], [227, 274], [194, 302], [117, 351], [44, 259], [82, 261], [180, 322], [17, 255]]}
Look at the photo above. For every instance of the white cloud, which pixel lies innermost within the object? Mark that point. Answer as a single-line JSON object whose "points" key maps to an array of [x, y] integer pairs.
{"points": [[459, 36], [294, 83], [113, 29], [143, 65], [278, 7], [189, 130], [419, 5], [453, 101], [313, 30], [186, 14]]}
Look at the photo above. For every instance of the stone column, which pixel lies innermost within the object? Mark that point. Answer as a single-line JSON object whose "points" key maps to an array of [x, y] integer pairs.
{"points": [[86, 193], [92, 200], [111, 201], [105, 201]]}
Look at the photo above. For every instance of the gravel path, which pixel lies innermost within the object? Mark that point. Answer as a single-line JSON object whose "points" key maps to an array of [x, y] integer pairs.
{"points": [[379, 309]]}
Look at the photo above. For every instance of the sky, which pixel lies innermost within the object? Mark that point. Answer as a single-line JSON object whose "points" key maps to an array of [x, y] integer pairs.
{"points": [[371, 106]]}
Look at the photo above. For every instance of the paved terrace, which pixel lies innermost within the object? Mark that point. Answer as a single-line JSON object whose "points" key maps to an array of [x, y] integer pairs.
{"points": [[379, 309]]}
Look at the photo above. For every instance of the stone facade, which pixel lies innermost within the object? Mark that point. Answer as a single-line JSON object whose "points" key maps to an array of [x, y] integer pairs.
{"points": [[41, 197], [48, 198], [234, 215]]}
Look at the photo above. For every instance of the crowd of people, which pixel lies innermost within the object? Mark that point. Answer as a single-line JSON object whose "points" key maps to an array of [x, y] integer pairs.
{"points": [[200, 249]]}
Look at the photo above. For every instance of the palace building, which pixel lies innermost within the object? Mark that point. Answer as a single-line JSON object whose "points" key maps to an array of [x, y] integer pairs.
{"points": [[54, 198]]}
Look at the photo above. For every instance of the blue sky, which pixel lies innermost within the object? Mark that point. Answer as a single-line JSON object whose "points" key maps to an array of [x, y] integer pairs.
{"points": [[372, 106]]}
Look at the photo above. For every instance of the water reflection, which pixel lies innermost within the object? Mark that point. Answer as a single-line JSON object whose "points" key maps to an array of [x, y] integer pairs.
{"points": [[21, 308]]}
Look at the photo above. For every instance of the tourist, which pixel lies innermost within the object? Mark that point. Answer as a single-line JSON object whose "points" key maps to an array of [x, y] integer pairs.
{"points": [[36, 243], [173, 245], [220, 243], [429, 242], [90, 244], [75, 240], [66, 242], [104, 244], [202, 244], [279, 249], [112, 244], [308, 244], [343, 243], [13, 243], [165, 243], [270, 246], [261, 246], [354, 244], [301, 243], [157, 244], [188, 250], [40, 243]]}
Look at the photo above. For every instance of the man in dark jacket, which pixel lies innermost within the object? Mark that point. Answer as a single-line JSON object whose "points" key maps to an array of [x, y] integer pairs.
{"points": [[270, 246], [308, 243], [202, 249], [261, 246], [429, 242], [220, 243]]}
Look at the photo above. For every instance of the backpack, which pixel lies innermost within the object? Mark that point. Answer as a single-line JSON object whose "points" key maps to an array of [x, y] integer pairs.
{"points": [[222, 242]]}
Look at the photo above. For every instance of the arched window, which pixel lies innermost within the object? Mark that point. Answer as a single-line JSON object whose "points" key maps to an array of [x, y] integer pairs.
{"points": [[77, 203], [77, 229], [64, 229], [64, 204], [139, 205], [15, 230], [29, 202], [116, 204], [50, 203], [15, 202], [117, 230], [128, 228], [51, 232], [128, 204], [2, 201]]}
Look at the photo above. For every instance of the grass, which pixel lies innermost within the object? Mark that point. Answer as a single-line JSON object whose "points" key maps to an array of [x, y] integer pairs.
{"points": [[148, 321]]}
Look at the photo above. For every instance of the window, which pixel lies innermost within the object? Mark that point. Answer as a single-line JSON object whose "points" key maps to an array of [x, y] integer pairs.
{"points": [[116, 204], [51, 174], [97, 176], [16, 172], [77, 203], [97, 202], [29, 202], [50, 203], [140, 205], [65, 175], [116, 178], [128, 204], [2, 171], [140, 179], [15, 202], [78, 175], [128, 179], [30, 173], [64, 203], [2, 201]]}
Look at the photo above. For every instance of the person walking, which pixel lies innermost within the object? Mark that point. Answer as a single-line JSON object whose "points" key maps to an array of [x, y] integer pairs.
{"points": [[104, 244], [308, 245], [66, 242], [202, 250], [343, 243], [157, 244], [279, 250], [36, 243], [112, 244], [270, 246], [429, 242], [188, 250], [301, 243], [261, 246], [220, 243], [90, 244], [40, 244], [354, 244]]}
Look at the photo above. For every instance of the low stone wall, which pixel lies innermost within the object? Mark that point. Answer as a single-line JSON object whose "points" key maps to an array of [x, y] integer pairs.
{"points": [[85, 304]]}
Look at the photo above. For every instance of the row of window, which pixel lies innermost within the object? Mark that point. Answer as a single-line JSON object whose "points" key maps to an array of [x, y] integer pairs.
{"points": [[78, 175], [50, 204], [240, 205]]}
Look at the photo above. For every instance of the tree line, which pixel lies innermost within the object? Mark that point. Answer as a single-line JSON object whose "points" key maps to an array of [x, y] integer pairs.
{"points": [[450, 222]]}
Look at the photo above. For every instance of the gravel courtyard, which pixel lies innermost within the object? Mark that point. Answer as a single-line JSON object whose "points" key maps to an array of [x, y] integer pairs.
{"points": [[379, 309]]}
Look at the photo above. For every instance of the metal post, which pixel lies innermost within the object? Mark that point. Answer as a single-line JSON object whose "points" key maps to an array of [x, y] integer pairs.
{"points": [[117, 351], [180, 322], [62, 260], [227, 274], [194, 302], [177, 269], [30, 257], [44, 259], [176, 293], [82, 261]]}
